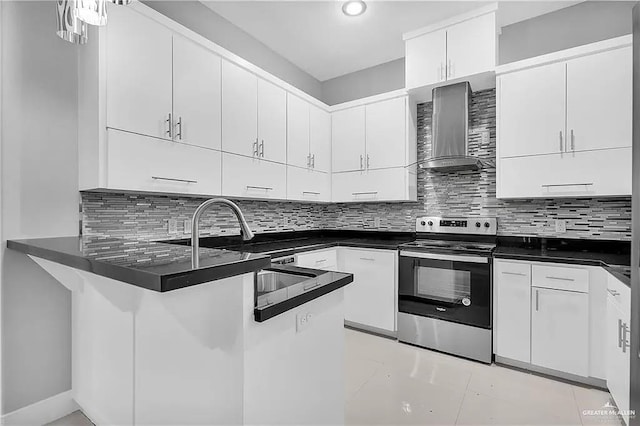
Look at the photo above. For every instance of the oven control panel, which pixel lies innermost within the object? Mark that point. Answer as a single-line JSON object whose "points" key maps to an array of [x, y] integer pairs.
{"points": [[480, 225]]}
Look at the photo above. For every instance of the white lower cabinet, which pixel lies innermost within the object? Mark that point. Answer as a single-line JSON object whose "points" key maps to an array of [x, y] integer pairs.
{"points": [[512, 292], [308, 184], [140, 163], [318, 259], [560, 330], [394, 184], [370, 300], [253, 178], [618, 351]]}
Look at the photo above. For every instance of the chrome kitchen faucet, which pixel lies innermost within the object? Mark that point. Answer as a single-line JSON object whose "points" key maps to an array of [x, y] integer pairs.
{"points": [[246, 233]]}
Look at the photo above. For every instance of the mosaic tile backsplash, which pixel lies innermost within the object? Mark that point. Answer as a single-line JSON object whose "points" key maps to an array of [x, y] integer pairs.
{"points": [[439, 194]]}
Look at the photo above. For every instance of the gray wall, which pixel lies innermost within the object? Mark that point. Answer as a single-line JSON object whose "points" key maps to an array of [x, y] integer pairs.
{"points": [[371, 81], [39, 198], [201, 19], [583, 23]]}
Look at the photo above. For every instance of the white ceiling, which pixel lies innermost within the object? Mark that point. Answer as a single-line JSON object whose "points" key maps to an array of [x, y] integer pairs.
{"points": [[317, 37]]}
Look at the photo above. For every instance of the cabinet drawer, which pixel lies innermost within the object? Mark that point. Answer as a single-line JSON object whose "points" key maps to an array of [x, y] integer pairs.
{"points": [[308, 185], [140, 163], [395, 184], [619, 293], [560, 278], [322, 259], [512, 271], [253, 178]]}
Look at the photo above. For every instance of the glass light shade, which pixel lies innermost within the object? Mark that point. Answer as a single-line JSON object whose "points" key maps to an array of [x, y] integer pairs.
{"points": [[93, 12], [354, 7], [69, 27]]}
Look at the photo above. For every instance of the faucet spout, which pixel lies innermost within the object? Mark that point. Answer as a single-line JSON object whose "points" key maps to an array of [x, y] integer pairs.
{"points": [[245, 231]]}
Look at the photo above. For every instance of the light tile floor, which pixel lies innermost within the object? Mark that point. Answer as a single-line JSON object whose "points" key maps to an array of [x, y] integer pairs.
{"points": [[390, 383]]}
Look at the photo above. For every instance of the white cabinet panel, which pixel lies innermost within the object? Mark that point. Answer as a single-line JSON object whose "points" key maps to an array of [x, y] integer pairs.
{"points": [[308, 185], [579, 174], [197, 101], [138, 56], [253, 178], [370, 299], [471, 46], [618, 353], [297, 131], [560, 330], [139, 163], [512, 322], [426, 57], [319, 259], [386, 133], [396, 184], [348, 139], [239, 110], [560, 277], [599, 100], [531, 111], [320, 138], [272, 121]]}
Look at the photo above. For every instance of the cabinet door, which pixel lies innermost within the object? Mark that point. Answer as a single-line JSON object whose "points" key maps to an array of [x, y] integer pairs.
{"points": [[297, 131], [308, 185], [272, 121], [370, 299], [320, 136], [197, 102], [253, 178], [140, 163], [138, 74], [603, 80], [471, 47], [531, 111], [386, 134], [512, 283], [426, 57], [560, 330], [239, 110], [319, 259], [394, 184], [618, 361], [347, 139]]}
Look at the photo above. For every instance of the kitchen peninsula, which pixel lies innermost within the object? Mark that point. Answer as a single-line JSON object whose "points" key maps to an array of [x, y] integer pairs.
{"points": [[156, 341]]}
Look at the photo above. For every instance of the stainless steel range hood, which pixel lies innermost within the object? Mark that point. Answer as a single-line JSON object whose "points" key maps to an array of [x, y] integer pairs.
{"points": [[450, 130]]}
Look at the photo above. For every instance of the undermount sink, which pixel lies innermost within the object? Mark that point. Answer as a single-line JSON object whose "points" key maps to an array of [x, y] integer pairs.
{"points": [[270, 280], [274, 285]]}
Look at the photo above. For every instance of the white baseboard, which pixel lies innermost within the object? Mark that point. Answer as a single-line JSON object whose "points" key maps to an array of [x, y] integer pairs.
{"points": [[42, 412]]}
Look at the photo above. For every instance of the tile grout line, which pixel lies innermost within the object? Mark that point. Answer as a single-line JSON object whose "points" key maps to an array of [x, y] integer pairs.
{"points": [[464, 396]]}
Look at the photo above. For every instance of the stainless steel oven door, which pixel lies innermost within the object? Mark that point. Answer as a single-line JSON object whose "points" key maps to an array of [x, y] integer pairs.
{"points": [[446, 286]]}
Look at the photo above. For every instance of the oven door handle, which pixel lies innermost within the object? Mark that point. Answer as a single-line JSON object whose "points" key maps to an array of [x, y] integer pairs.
{"points": [[440, 256]]}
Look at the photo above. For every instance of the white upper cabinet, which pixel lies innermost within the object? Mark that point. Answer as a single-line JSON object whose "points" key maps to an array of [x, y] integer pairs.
{"points": [[532, 111], [239, 110], [426, 58], [471, 46], [348, 139], [320, 138], [386, 123], [603, 80], [462, 48], [272, 122], [297, 132], [138, 78], [196, 94]]}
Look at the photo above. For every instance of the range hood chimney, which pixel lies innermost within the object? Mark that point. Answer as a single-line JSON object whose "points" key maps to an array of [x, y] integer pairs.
{"points": [[450, 130]]}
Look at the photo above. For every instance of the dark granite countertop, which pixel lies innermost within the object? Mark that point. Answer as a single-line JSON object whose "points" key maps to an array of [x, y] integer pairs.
{"points": [[151, 265]]}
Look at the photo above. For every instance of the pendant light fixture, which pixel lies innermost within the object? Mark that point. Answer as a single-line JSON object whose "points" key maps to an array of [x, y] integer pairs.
{"points": [[93, 12], [69, 27]]}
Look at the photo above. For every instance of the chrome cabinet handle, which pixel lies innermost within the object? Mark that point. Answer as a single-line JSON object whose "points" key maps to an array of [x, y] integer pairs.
{"points": [[520, 274], [313, 161], [364, 192], [368, 161], [169, 131], [262, 149], [311, 192], [537, 300], [309, 161], [619, 333], [561, 147], [369, 259], [255, 148], [624, 344], [321, 260], [174, 179], [573, 139], [567, 184], [361, 159], [179, 124], [266, 188], [559, 278], [442, 71], [613, 292], [450, 69]]}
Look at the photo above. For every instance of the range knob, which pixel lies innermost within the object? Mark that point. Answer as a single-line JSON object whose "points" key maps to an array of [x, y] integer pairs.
{"points": [[423, 223], [486, 224], [477, 224], [430, 223]]}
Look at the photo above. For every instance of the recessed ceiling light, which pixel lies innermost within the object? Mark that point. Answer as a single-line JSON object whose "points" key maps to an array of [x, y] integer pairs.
{"points": [[354, 7]]}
